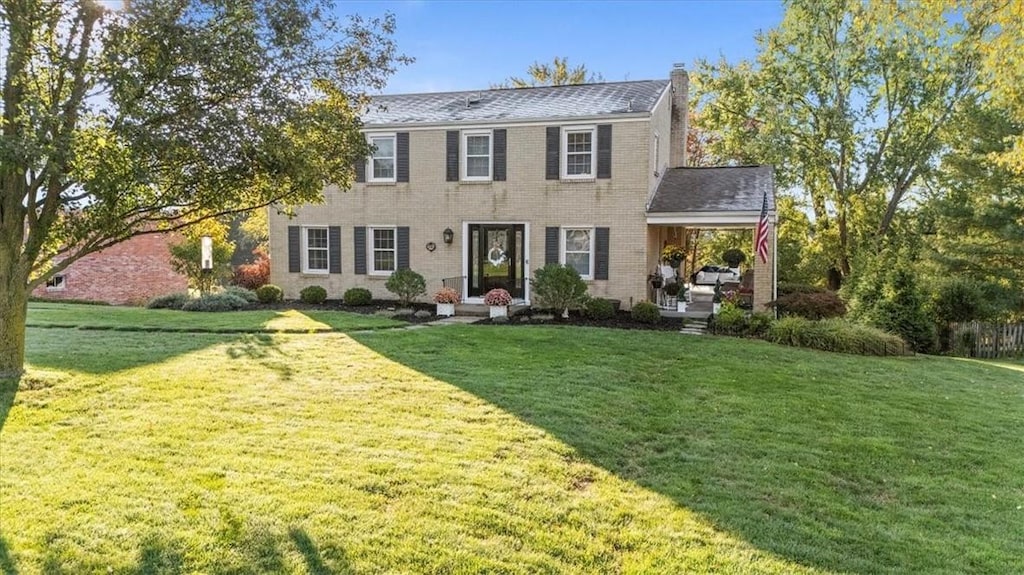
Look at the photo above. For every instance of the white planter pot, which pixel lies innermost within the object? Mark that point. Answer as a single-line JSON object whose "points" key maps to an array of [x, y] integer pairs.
{"points": [[445, 309], [681, 305], [499, 311], [715, 308]]}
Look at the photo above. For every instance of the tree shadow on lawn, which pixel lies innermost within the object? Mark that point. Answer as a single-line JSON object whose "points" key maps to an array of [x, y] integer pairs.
{"points": [[7, 564], [248, 551], [840, 463]]}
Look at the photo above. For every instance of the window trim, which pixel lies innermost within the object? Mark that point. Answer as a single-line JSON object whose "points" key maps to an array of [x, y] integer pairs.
{"points": [[371, 263], [370, 178], [464, 155], [63, 283], [564, 152], [305, 250], [561, 247], [657, 154]]}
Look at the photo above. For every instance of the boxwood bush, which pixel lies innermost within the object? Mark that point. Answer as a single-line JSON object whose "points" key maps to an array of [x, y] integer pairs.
{"points": [[269, 293], [358, 296], [600, 308], [313, 294], [244, 293], [407, 285], [646, 312]]}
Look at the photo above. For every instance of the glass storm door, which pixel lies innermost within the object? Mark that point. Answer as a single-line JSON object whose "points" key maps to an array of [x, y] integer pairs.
{"points": [[496, 259]]}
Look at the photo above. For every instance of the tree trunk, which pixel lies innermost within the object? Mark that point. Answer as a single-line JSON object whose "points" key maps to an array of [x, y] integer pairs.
{"points": [[13, 310]]}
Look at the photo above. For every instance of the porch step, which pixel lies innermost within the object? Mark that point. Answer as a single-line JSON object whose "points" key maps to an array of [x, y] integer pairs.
{"points": [[693, 329]]}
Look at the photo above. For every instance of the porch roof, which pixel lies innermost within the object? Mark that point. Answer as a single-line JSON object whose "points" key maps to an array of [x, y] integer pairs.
{"points": [[733, 193]]}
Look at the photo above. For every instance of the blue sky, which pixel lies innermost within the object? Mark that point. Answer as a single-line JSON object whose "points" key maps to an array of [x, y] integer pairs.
{"points": [[467, 45]]}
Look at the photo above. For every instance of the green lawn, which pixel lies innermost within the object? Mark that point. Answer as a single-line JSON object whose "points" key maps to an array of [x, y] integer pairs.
{"points": [[488, 449]]}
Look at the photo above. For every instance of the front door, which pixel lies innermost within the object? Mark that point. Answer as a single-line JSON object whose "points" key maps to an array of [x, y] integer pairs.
{"points": [[496, 259]]}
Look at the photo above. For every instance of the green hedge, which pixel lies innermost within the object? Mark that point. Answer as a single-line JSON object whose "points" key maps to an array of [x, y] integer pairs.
{"points": [[835, 335]]}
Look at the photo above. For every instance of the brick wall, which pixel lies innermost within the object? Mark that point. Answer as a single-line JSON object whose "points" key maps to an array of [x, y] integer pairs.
{"points": [[130, 272]]}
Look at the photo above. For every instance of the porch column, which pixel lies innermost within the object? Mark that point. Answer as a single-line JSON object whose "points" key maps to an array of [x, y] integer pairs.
{"points": [[764, 274]]}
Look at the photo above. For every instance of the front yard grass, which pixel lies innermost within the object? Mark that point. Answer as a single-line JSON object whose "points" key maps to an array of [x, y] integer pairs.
{"points": [[465, 449]]}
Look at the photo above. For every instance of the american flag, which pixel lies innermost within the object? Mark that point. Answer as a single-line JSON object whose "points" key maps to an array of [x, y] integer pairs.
{"points": [[761, 235]]}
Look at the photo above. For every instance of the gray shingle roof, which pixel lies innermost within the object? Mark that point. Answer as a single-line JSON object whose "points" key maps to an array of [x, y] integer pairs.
{"points": [[520, 104], [719, 189]]}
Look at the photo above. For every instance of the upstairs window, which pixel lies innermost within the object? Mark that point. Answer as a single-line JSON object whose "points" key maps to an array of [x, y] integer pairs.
{"points": [[477, 156], [579, 155], [382, 162]]}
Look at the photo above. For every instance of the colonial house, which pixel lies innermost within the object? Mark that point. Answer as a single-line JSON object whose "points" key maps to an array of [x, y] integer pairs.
{"points": [[478, 189]]}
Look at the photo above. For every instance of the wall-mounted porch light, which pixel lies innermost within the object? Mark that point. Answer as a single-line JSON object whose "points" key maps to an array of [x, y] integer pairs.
{"points": [[448, 235]]}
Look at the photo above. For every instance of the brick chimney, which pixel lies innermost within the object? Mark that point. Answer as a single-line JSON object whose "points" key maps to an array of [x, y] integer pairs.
{"points": [[680, 116]]}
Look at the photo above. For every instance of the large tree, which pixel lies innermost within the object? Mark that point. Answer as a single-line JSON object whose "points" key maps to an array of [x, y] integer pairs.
{"points": [[846, 99], [163, 114]]}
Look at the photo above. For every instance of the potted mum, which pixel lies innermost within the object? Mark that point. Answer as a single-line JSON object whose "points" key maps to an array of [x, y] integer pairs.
{"points": [[499, 300], [446, 298]]}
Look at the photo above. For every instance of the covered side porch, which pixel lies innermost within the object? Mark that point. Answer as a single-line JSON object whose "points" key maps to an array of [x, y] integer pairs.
{"points": [[719, 198]]}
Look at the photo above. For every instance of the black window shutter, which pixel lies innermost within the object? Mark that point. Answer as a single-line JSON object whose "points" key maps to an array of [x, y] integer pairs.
{"points": [[604, 151], [361, 171], [452, 157], [294, 249], [601, 247], [402, 150], [499, 155], [359, 250], [552, 157], [402, 243], [551, 245], [334, 249]]}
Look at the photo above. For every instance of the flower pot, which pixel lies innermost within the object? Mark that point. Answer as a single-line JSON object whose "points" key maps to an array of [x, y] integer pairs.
{"points": [[681, 305], [715, 308], [499, 311], [445, 309]]}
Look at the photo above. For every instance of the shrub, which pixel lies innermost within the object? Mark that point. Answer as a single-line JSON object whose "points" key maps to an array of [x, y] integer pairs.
{"points": [[313, 294], [958, 299], [446, 295], [497, 297], [901, 311], [169, 301], [215, 302], [759, 324], [810, 305], [269, 293], [835, 335], [246, 294], [559, 287], [646, 312], [786, 288], [252, 276], [358, 296], [731, 320], [600, 309], [407, 285]]}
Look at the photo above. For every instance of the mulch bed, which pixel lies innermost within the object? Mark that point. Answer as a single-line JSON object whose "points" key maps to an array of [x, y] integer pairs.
{"points": [[621, 320]]}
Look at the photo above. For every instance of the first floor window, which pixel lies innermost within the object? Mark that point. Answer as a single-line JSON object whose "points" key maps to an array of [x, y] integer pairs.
{"points": [[579, 152], [316, 250], [577, 251], [384, 250], [55, 282], [382, 163]]}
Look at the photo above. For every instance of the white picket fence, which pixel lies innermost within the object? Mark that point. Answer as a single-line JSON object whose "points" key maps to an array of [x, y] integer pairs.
{"points": [[987, 340]]}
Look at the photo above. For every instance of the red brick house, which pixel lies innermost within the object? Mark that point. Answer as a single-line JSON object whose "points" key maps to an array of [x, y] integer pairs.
{"points": [[130, 272]]}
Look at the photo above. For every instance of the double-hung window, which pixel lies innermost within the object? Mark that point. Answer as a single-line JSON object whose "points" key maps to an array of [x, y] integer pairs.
{"points": [[383, 250], [382, 162], [580, 152], [315, 254], [56, 283], [477, 160], [578, 251]]}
